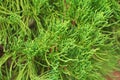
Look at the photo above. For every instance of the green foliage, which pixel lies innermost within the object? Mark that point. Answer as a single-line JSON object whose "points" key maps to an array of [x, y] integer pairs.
{"points": [[59, 39]]}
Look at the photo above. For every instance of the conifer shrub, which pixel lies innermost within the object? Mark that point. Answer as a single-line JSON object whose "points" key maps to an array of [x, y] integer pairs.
{"points": [[59, 39]]}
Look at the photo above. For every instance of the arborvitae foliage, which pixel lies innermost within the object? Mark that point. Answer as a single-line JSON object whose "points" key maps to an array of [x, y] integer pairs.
{"points": [[59, 39]]}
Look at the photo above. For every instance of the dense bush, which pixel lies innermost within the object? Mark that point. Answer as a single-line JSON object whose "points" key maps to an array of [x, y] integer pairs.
{"points": [[59, 39]]}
